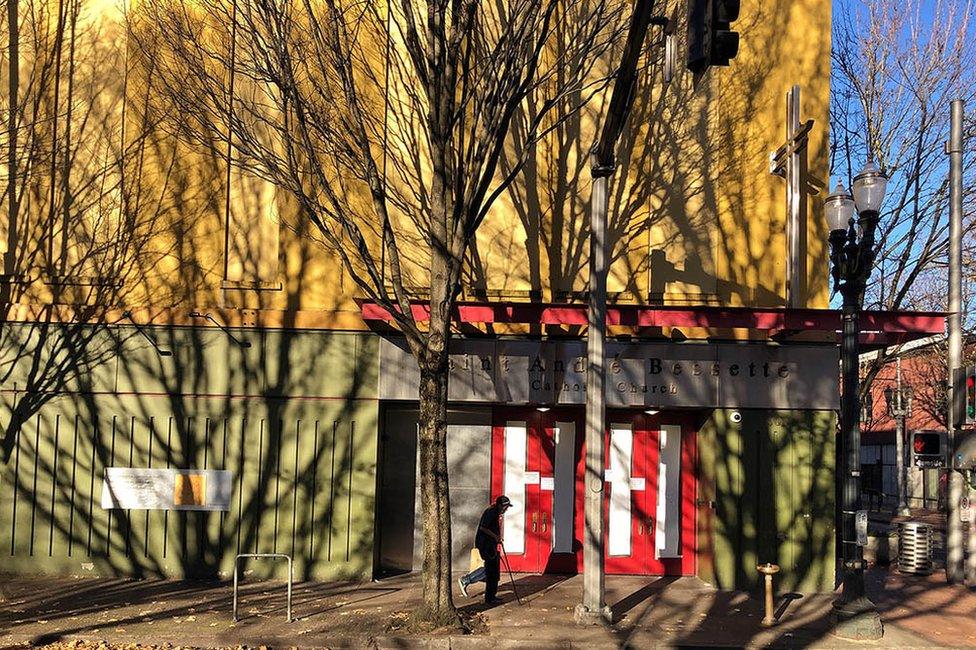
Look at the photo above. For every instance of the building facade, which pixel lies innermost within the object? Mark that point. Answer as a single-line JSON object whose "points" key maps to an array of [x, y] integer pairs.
{"points": [[919, 370], [185, 321]]}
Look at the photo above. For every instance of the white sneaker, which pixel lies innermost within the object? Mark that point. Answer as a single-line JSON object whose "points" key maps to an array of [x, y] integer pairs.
{"points": [[464, 587]]}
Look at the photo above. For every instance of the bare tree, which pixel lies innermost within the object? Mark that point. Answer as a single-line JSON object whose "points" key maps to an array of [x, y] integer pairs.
{"points": [[76, 249], [897, 65], [929, 393], [384, 123]]}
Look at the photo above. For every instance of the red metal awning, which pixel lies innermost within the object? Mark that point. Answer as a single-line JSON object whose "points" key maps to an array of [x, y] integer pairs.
{"points": [[878, 328]]}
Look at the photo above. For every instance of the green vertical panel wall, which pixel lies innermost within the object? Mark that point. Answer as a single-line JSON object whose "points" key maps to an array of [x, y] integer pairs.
{"points": [[293, 418], [770, 479]]}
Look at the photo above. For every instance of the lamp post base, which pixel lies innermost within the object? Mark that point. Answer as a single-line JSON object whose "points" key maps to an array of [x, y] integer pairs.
{"points": [[857, 620], [583, 615]]}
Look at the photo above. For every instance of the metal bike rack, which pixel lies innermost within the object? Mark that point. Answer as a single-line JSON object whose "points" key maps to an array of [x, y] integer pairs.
{"points": [[262, 555]]}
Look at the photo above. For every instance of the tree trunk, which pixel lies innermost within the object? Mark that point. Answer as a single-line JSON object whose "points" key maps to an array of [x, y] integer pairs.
{"points": [[436, 507], [445, 258]]}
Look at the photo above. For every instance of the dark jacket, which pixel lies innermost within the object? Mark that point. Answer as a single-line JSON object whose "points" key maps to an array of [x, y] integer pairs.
{"points": [[489, 532]]}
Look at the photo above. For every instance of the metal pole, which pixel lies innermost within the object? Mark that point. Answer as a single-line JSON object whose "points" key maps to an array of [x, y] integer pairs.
{"points": [[954, 529], [851, 430], [971, 547], [234, 607], [602, 164], [592, 609], [13, 77], [900, 460], [289, 587], [958, 485], [856, 616]]}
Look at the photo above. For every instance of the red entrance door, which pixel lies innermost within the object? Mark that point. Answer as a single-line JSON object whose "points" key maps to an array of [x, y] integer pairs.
{"points": [[630, 488], [537, 461], [650, 488], [516, 472]]}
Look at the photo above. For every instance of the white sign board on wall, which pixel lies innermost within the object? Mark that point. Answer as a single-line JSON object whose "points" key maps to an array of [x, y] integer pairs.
{"points": [[131, 488], [690, 375]]}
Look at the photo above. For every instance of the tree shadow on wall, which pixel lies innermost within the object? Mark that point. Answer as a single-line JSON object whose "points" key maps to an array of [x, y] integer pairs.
{"points": [[289, 413], [675, 177], [87, 385]]}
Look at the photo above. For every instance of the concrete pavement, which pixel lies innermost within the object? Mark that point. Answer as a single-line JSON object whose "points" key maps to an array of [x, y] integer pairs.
{"points": [[649, 612]]}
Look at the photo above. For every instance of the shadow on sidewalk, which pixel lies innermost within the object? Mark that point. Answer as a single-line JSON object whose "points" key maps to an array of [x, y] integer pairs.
{"points": [[528, 586], [67, 608], [917, 611], [687, 612], [652, 590], [925, 605]]}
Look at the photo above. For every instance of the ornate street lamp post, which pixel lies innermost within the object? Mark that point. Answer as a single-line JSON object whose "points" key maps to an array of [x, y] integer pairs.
{"points": [[852, 256]]}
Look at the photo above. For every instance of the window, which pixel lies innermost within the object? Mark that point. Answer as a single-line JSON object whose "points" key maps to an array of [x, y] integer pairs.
{"points": [[251, 240], [251, 220]]}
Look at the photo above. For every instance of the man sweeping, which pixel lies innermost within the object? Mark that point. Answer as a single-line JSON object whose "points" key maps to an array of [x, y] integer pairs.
{"points": [[487, 540]]}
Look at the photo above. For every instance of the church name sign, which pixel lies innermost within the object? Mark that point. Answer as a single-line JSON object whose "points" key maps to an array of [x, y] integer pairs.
{"points": [[690, 375]]}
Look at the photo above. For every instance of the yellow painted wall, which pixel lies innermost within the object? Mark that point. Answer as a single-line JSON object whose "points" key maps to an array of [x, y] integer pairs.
{"points": [[696, 216], [699, 218]]}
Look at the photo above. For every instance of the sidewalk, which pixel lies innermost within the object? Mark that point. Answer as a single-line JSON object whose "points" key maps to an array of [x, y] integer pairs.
{"points": [[650, 612]]}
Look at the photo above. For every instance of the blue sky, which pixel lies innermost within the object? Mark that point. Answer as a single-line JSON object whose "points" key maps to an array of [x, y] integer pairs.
{"points": [[899, 102]]}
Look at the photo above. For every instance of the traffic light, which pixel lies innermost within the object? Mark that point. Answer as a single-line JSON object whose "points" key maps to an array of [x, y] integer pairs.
{"points": [[710, 41], [927, 447], [964, 396], [970, 416]]}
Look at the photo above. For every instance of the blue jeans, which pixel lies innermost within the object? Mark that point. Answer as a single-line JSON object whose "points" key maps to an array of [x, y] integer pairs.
{"points": [[475, 576], [489, 573]]}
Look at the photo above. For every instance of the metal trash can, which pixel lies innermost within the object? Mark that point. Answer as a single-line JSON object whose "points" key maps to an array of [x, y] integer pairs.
{"points": [[915, 547]]}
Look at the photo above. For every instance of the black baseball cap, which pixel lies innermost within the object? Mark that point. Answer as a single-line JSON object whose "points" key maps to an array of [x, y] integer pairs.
{"points": [[503, 501]]}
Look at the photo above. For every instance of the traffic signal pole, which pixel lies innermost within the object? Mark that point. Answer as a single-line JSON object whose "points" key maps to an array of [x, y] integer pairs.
{"points": [[954, 526], [971, 547], [593, 610], [717, 45]]}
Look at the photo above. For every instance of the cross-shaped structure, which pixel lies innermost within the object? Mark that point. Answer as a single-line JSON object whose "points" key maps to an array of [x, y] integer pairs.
{"points": [[790, 162]]}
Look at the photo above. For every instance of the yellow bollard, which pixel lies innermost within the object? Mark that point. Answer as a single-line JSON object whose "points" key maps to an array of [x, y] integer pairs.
{"points": [[768, 570]]}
